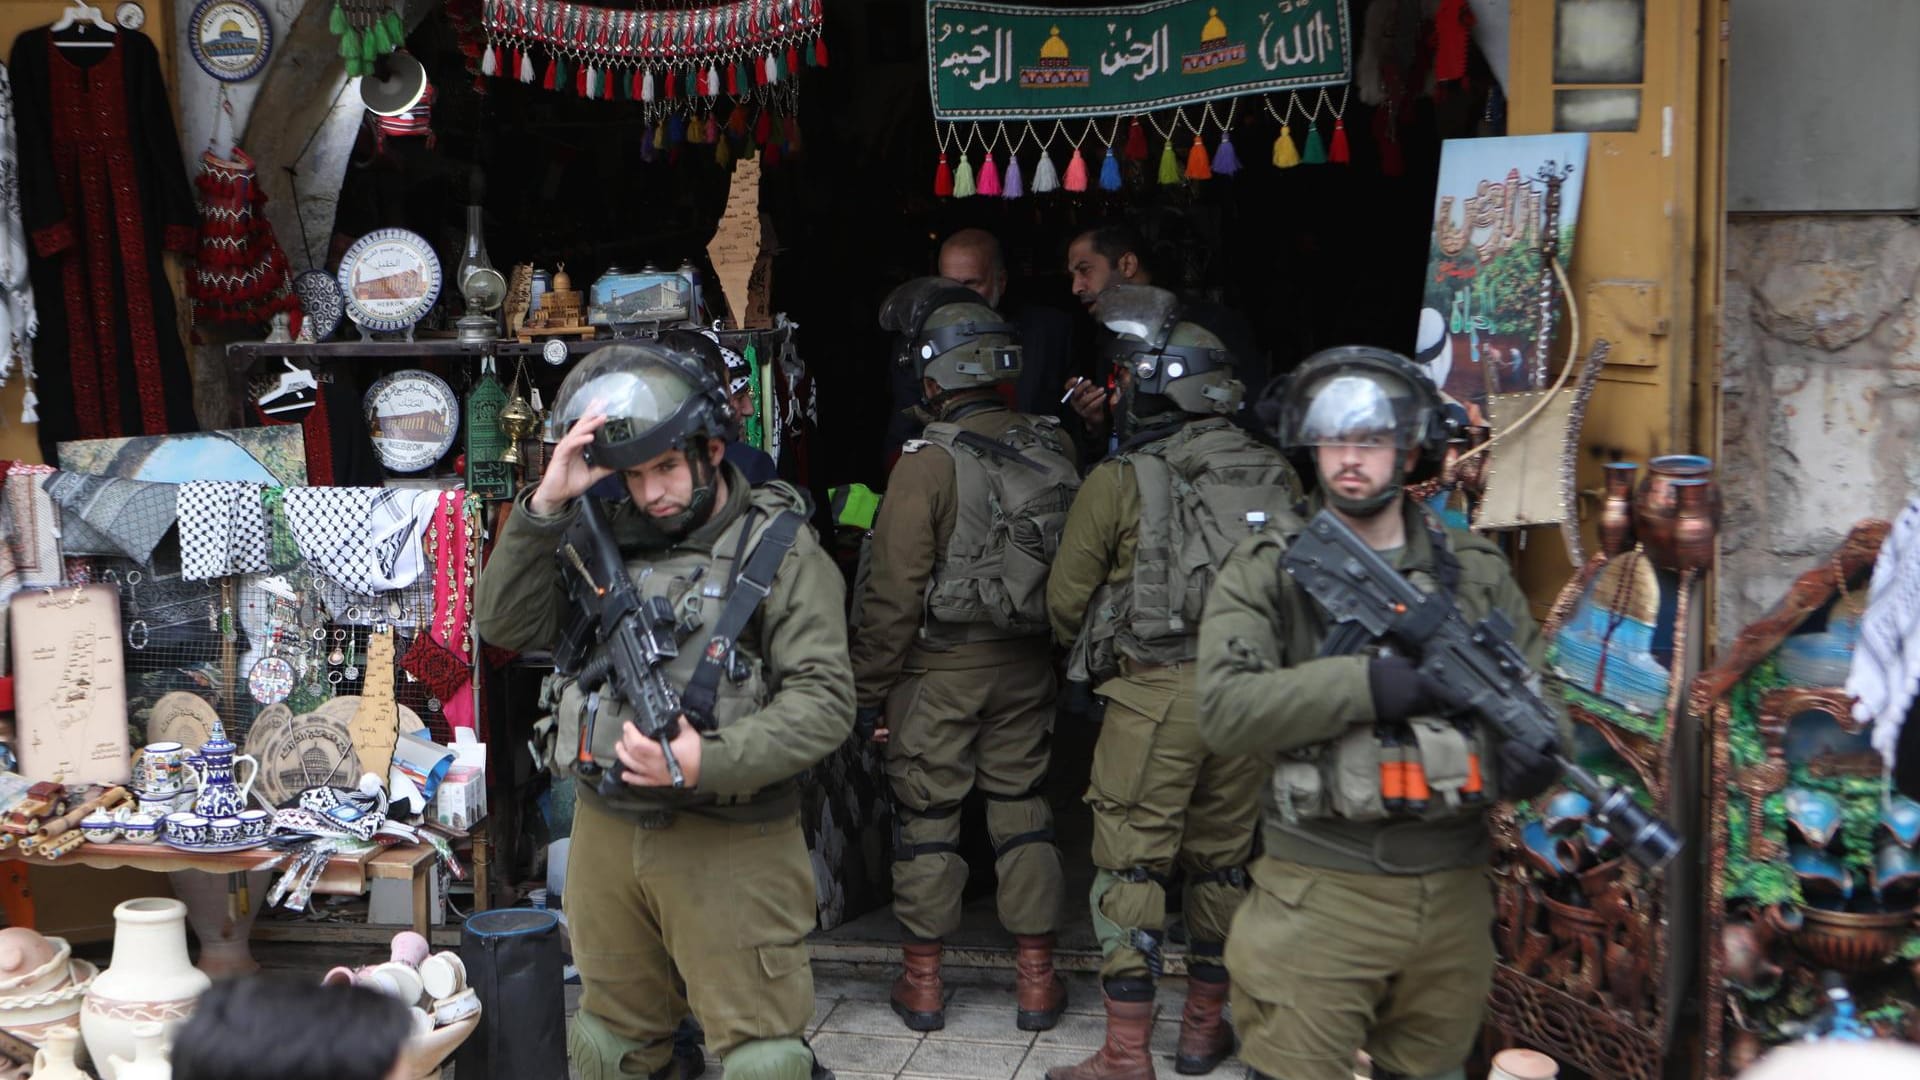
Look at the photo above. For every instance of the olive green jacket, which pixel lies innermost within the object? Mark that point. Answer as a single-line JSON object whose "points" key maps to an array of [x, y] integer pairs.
{"points": [[520, 602], [1264, 691], [1096, 547], [910, 537]]}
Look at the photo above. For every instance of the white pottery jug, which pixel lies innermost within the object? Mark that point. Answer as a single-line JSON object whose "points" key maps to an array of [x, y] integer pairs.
{"points": [[150, 1056], [1523, 1065], [54, 1061], [149, 981]]}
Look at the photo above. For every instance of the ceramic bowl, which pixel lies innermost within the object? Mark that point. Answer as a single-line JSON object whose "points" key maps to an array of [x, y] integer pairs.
{"points": [[139, 828], [186, 830], [456, 1008], [400, 981], [225, 831], [337, 976], [255, 824], [100, 827], [440, 977], [423, 1022]]}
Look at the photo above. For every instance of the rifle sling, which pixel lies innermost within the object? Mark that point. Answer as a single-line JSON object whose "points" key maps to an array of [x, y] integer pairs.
{"points": [[751, 584]]}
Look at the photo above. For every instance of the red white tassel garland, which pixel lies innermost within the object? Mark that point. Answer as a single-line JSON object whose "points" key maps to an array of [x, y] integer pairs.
{"points": [[489, 63], [1136, 141], [989, 183], [1338, 152], [943, 178], [1198, 166], [526, 68], [1076, 179]]}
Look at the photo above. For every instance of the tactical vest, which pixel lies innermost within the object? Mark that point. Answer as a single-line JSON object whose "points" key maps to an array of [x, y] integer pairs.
{"points": [[1318, 791], [1012, 493], [696, 583], [1203, 489]]}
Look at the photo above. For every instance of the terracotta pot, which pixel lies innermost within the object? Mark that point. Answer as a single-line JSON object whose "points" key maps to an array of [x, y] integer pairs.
{"points": [[1851, 942], [223, 938], [1745, 946], [149, 981], [1616, 508], [1656, 506]]}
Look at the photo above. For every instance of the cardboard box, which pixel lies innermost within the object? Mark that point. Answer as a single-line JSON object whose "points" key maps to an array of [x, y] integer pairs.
{"points": [[462, 799]]}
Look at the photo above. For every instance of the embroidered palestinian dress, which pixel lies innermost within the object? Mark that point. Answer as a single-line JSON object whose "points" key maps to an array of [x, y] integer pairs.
{"points": [[103, 193]]}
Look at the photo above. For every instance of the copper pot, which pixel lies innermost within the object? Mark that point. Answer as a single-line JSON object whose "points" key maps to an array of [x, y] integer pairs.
{"points": [[1616, 509], [1850, 941], [1656, 506], [1695, 524]]}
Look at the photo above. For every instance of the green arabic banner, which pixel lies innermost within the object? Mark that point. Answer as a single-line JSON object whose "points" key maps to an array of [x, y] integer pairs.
{"points": [[1015, 62]]}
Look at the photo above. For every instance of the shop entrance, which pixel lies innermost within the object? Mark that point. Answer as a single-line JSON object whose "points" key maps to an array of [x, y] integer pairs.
{"points": [[1310, 257]]}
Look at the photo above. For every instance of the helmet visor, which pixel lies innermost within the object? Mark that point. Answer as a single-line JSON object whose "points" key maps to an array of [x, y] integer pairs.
{"points": [[1143, 312], [1352, 408], [636, 388], [906, 308]]}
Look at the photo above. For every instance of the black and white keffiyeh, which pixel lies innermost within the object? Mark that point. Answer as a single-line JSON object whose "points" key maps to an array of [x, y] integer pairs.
{"points": [[223, 529], [367, 539], [1886, 661]]}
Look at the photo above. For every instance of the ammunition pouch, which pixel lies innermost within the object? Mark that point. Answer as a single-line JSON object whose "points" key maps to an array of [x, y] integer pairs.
{"points": [[1429, 769]]}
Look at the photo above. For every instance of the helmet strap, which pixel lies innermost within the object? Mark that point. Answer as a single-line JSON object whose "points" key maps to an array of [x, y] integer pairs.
{"points": [[700, 503]]}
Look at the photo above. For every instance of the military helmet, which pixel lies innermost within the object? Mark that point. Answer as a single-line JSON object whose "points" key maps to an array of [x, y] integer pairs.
{"points": [[656, 398], [705, 345], [950, 335], [1172, 366], [1359, 395]]}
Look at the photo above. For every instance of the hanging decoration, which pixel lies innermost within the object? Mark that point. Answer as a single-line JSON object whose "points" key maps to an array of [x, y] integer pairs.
{"points": [[240, 273], [368, 30], [1002, 74], [679, 59]]}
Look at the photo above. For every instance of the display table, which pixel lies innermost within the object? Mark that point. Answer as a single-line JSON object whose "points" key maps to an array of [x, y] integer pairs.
{"points": [[345, 874]]}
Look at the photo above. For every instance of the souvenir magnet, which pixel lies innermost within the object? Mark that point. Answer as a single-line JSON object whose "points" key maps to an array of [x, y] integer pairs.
{"points": [[231, 39], [130, 16]]}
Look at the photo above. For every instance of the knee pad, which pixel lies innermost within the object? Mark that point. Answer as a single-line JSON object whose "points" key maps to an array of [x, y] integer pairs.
{"points": [[597, 1053], [1014, 821], [770, 1059], [1110, 931], [933, 831]]}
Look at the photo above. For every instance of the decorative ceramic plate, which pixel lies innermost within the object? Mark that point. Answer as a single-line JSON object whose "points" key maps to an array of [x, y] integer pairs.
{"points": [[554, 352], [413, 417], [299, 752], [213, 849], [183, 717], [320, 300], [231, 39], [390, 278], [129, 15]]}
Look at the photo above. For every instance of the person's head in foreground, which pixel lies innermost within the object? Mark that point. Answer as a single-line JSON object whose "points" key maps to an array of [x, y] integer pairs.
{"points": [[273, 1026]]}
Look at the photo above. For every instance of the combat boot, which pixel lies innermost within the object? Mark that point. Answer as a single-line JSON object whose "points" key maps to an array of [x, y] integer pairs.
{"points": [[1206, 1039], [1041, 994], [917, 995], [1124, 1055]]}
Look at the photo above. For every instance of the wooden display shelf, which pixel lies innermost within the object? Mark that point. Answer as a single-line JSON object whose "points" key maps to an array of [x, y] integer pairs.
{"points": [[242, 353]]}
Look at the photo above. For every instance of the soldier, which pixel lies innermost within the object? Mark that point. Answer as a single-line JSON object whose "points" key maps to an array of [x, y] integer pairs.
{"points": [[1369, 921], [710, 883], [1142, 542], [950, 657]]}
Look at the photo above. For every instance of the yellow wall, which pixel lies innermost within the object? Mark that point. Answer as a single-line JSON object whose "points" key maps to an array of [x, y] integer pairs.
{"points": [[1650, 222], [20, 441]]}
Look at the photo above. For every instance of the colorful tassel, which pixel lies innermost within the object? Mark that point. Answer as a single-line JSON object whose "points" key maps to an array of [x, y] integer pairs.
{"points": [[608, 80], [581, 79], [1015, 185], [771, 156], [1315, 152], [1169, 168], [337, 21], [1338, 153], [1136, 141], [773, 69], [793, 59], [1225, 161], [1198, 167], [1076, 172], [647, 152], [676, 130], [792, 129], [963, 179], [737, 122], [396, 29], [989, 183], [350, 44], [723, 152], [943, 178], [1285, 154], [713, 81], [820, 50], [646, 85], [1110, 172], [368, 50], [763, 128], [1046, 178], [660, 135], [526, 68]]}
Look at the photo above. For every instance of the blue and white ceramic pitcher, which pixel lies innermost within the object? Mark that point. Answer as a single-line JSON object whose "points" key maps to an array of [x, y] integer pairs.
{"points": [[213, 768]]}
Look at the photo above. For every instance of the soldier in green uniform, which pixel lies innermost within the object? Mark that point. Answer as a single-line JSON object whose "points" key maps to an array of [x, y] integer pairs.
{"points": [[951, 658], [1369, 921], [1143, 540], [705, 886]]}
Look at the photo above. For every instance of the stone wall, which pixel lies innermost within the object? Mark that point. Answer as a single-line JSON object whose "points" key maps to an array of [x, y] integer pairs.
{"points": [[1820, 393]]}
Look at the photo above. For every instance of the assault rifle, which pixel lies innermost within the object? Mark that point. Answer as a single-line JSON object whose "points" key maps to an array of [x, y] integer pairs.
{"points": [[638, 638], [1475, 668]]}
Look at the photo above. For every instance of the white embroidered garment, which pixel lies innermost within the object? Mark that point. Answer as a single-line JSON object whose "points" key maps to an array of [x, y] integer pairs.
{"points": [[18, 323], [367, 539], [1886, 662], [223, 529]]}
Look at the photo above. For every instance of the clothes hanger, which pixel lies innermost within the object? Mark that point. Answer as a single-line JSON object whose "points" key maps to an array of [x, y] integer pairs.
{"points": [[297, 381], [81, 17]]}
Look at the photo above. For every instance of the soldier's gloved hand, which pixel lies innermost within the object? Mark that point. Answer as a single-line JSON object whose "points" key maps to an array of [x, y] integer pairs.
{"points": [[870, 723], [1524, 771], [1399, 689]]}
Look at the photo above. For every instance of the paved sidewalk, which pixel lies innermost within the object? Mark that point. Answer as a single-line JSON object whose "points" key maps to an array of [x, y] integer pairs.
{"points": [[856, 1033]]}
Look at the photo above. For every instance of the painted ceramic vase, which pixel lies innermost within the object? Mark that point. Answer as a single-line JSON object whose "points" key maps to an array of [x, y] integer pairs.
{"points": [[1656, 506], [149, 981], [1616, 508]]}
